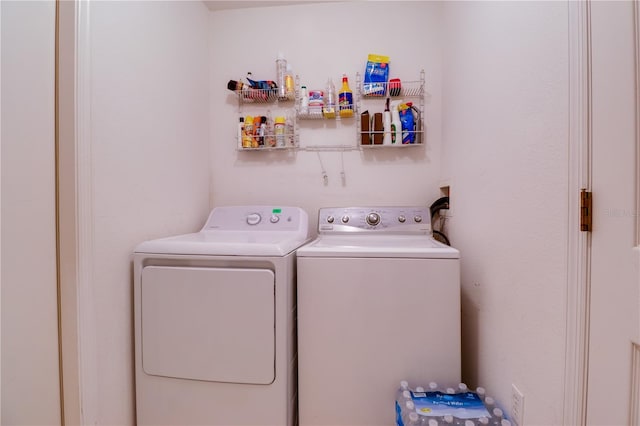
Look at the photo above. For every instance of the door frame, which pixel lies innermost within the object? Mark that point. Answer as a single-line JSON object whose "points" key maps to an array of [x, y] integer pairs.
{"points": [[579, 243], [81, 394], [75, 189]]}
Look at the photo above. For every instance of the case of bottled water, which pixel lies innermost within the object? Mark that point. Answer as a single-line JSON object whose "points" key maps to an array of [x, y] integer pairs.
{"points": [[446, 405]]}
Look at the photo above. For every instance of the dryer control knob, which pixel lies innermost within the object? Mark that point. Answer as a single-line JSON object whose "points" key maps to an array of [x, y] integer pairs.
{"points": [[373, 219], [254, 219], [275, 219], [402, 219], [330, 219], [345, 219], [418, 219]]}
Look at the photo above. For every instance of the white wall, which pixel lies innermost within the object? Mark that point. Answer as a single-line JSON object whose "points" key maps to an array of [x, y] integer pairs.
{"points": [[322, 41], [150, 144], [505, 137], [29, 305]]}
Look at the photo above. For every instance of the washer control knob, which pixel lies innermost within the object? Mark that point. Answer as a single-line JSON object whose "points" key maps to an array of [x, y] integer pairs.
{"points": [[275, 219], [402, 219], [418, 219], [345, 219], [373, 219], [330, 219], [254, 219]]}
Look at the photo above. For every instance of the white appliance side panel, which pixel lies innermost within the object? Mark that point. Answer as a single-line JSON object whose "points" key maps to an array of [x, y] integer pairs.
{"points": [[213, 324], [366, 324]]}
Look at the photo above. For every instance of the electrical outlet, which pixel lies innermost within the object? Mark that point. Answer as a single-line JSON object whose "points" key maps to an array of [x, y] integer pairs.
{"points": [[517, 406]]}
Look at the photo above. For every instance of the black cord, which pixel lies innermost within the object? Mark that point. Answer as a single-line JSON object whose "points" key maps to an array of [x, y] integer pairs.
{"points": [[439, 236]]}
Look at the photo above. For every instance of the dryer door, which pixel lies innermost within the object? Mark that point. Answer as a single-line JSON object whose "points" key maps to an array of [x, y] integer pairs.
{"points": [[214, 324]]}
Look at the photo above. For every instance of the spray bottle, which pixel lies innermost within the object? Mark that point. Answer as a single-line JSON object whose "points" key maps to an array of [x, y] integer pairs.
{"points": [[396, 124], [386, 124]]}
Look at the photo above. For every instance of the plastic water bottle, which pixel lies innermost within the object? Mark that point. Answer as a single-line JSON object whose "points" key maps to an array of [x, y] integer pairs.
{"points": [[505, 422], [481, 393], [401, 397], [409, 408], [433, 387], [431, 422], [404, 386], [448, 419], [483, 420], [413, 419], [497, 416], [462, 387], [419, 389], [281, 72], [329, 109], [489, 403]]}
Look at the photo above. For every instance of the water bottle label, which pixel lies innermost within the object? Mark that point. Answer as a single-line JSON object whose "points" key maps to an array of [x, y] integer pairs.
{"points": [[466, 405]]}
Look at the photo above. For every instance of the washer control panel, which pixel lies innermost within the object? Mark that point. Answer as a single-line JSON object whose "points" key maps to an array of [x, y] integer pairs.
{"points": [[415, 219]]}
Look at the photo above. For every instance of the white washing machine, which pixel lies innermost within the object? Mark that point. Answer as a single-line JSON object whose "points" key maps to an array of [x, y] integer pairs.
{"points": [[378, 302], [214, 316]]}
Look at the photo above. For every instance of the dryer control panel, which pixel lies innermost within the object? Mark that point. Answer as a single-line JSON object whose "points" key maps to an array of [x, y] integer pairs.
{"points": [[403, 220], [257, 218]]}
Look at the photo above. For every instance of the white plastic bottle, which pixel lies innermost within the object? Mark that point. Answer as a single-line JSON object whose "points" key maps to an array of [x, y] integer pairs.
{"points": [[304, 100], [433, 386], [396, 124], [240, 131], [281, 72], [386, 125]]}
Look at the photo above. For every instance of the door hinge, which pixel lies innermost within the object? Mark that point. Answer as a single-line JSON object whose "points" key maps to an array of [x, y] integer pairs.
{"points": [[586, 211]]}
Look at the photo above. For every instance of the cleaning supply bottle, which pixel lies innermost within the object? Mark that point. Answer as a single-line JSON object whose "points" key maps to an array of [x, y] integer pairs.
{"points": [[386, 125], [279, 129], [345, 98], [247, 135], [240, 132], [329, 110], [396, 124]]}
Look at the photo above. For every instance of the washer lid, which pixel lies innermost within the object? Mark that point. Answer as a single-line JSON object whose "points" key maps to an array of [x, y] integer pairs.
{"points": [[368, 245], [240, 231]]}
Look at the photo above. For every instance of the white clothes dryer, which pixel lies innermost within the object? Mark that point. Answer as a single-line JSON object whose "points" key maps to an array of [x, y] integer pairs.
{"points": [[378, 302], [214, 320]]}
